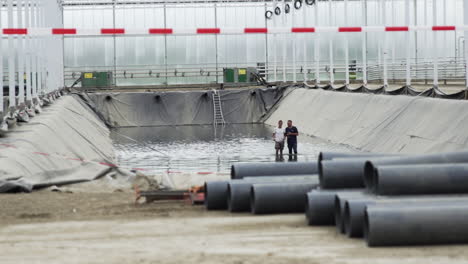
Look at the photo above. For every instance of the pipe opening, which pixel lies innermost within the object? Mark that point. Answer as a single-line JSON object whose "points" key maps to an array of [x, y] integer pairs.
{"points": [[229, 205], [369, 175], [233, 172], [252, 200], [320, 172], [366, 226], [205, 187], [338, 222], [108, 98], [158, 97], [375, 179], [347, 219]]}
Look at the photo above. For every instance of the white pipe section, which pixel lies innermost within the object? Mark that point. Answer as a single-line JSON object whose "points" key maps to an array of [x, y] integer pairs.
{"points": [[274, 37], [364, 44], [20, 43], [444, 19], [27, 15], [34, 84], [294, 44], [1, 68], [304, 41], [11, 59], [394, 23], [378, 11], [332, 76], [346, 44], [435, 46], [385, 51], [465, 18], [284, 42], [317, 47], [408, 41], [38, 50]]}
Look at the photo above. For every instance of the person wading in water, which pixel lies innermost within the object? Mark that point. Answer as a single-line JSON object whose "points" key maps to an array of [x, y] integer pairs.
{"points": [[279, 135], [292, 133]]}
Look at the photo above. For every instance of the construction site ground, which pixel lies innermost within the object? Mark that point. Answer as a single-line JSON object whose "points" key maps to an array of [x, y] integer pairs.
{"points": [[61, 227]]}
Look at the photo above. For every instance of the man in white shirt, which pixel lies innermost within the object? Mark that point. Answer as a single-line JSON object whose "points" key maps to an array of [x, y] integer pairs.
{"points": [[279, 137]]}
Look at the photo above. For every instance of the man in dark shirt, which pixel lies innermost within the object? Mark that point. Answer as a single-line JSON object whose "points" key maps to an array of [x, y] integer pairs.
{"points": [[292, 133]]}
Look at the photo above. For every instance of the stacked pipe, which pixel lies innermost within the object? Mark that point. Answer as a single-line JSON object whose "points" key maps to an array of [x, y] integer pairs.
{"points": [[263, 188], [386, 199], [393, 199]]}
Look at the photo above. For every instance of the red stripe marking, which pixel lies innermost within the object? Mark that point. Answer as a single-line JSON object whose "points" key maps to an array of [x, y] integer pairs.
{"points": [[303, 30], [208, 30], [160, 30], [350, 29], [205, 173], [76, 159], [63, 31], [8, 145], [443, 28], [41, 153], [15, 31], [255, 30], [112, 31], [397, 29], [107, 164]]}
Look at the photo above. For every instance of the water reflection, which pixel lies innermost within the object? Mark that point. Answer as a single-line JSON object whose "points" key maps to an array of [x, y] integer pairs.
{"points": [[204, 148]]}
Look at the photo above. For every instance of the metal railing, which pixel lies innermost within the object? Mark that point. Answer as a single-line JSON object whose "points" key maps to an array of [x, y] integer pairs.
{"points": [[449, 69]]}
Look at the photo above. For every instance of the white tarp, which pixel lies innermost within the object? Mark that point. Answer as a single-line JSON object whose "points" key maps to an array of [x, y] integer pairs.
{"points": [[67, 143]]}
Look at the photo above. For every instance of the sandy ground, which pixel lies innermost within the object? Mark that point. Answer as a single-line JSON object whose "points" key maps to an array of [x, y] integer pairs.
{"points": [[49, 227]]}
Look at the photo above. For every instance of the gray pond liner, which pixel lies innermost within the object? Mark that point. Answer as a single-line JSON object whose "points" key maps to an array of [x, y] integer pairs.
{"points": [[355, 208], [276, 198], [440, 158], [428, 224], [238, 197], [241, 170], [320, 206], [419, 179]]}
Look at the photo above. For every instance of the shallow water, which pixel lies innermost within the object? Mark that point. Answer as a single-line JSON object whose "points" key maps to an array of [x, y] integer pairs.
{"points": [[204, 149]]}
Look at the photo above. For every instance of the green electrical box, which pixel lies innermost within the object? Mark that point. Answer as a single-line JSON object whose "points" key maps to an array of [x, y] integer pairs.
{"points": [[229, 76], [242, 75], [96, 79], [239, 75]]}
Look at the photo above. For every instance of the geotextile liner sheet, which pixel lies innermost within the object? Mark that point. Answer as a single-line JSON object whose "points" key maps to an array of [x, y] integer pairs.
{"points": [[67, 143], [378, 123], [182, 107]]}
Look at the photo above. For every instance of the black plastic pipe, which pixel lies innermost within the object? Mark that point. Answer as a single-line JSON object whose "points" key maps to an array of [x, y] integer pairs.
{"points": [[344, 171], [275, 198], [428, 224], [329, 155], [238, 193], [339, 206], [241, 170], [354, 210], [441, 158], [215, 195], [320, 206], [419, 179]]}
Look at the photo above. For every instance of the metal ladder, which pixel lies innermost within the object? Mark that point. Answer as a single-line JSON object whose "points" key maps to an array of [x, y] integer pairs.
{"points": [[217, 110]]}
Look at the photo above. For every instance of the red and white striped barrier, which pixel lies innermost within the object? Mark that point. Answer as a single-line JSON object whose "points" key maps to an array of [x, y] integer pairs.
{"points": [[218, 31]]}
